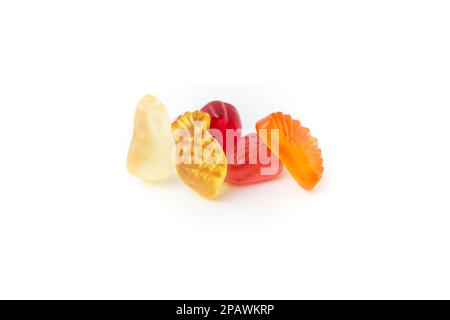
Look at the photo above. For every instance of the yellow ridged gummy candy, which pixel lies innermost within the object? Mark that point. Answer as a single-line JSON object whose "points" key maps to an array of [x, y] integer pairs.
{"points": [[200, 160], [150, 152]]}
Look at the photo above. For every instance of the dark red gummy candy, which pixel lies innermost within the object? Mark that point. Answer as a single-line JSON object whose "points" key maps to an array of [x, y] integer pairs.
{"points": [[224, 116]]}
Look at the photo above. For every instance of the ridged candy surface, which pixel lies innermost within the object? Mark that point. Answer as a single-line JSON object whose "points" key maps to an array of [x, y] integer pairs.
{"points": [[203, 166], [298, 150]]}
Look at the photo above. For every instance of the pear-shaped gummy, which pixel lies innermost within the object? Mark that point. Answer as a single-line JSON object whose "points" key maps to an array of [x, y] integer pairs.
{"points": [[150, 152]]}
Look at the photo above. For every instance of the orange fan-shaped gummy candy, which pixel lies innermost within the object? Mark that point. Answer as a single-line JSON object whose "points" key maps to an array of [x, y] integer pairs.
{"points": [[297, 149]]}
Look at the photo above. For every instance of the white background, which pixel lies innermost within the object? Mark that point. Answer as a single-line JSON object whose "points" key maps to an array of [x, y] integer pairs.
{"points": [[371, 80]]}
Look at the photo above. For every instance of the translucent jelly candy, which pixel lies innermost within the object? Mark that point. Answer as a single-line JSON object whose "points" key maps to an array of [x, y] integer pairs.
{"points": [[149, 155], [298, 150], [224, 116], [200, 160], [253, 162]]}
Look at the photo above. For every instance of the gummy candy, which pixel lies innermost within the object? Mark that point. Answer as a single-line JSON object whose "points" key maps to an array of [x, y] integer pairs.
{"points": [[253, 162], [203, 166], [149, 155], [298, 150], [224, 116]]}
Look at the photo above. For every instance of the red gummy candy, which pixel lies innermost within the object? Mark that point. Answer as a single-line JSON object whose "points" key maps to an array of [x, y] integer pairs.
{"points": [[254, 163], [224, 116]]}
